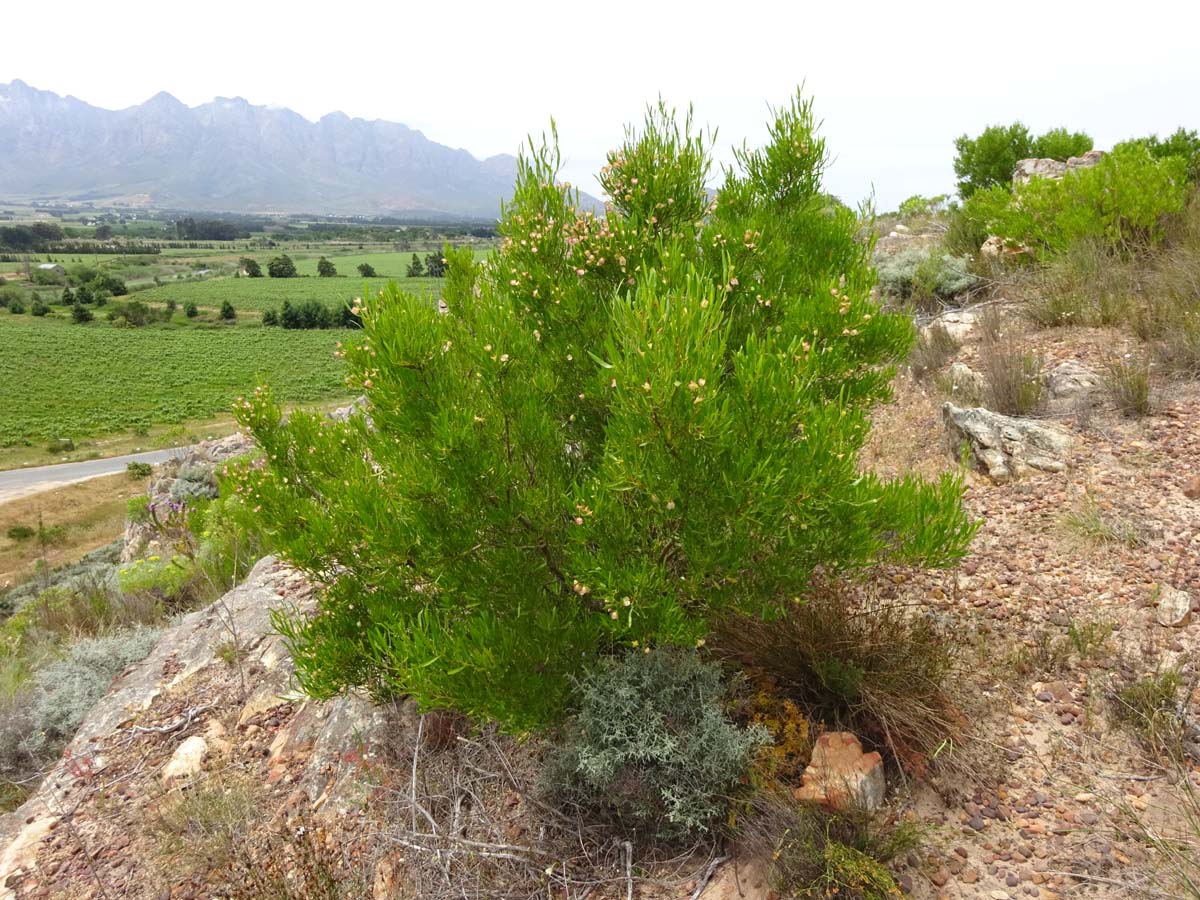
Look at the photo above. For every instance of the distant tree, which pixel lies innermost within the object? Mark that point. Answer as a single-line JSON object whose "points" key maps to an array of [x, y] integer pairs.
{"points": [[281, 267], [103, 233], [80, 314], [415, 269], [16, 307], [190, 309], [228, 312], [84, 294], [39, 308], [289, 316], [68, 297], [1060, 144], [325, 268], [251, 267], [435, 265], [366, 270], [270, 317], [990, 158]]}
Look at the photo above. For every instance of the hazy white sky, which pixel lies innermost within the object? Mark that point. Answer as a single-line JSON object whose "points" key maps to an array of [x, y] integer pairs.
{"points": [[894, 82]]}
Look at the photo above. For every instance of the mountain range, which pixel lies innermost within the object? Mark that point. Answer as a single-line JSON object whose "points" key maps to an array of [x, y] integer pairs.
{"points": [[232, 156]]}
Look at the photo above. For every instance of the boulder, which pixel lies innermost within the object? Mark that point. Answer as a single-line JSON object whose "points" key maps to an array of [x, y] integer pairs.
{"points": [[187, 761], [1174, 607], [1028, 169], [959, 323], [1005, 447], [966, 384], [1071, 386], [840, 774]]}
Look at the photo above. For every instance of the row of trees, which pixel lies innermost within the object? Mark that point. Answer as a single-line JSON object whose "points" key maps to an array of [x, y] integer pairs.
{"points": [[311, 314]]}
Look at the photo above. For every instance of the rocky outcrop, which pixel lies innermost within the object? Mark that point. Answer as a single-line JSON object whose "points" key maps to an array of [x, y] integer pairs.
{"points": [[965, 383], [188, 475], [185, 714], [1071, 387], [1005, 447], [1028, 169]]}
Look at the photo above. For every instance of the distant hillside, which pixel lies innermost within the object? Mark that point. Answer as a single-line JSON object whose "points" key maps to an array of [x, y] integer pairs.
{"points": [[229, 155]]}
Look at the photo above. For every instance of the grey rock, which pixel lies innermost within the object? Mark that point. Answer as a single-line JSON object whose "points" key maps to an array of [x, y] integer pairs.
{"points": [[1174, 607], [1005, 447], [966, 384], [1070, 386]]}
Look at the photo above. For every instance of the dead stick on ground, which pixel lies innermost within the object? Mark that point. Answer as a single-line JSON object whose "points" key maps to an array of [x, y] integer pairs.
{"points": [[628, 870], [708, 874]]}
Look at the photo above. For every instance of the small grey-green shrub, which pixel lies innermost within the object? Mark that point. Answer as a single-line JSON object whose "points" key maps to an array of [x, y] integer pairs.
{"points": [[926, 277], [65, 691], [651, 744], [193, 481]]}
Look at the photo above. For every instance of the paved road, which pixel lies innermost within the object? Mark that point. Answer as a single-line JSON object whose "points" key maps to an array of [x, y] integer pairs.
{"points": [[23, 482]]}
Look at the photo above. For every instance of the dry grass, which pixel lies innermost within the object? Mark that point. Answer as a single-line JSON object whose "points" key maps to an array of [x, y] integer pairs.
{"points": [[91, 513], [935, 347], [881, 669], [1127, 381]]}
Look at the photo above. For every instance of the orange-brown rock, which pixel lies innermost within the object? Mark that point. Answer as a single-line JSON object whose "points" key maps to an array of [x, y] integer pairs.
{"points": [[840, 774]]}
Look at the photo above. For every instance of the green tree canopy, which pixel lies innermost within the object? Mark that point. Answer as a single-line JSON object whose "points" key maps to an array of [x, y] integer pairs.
{"points": [[619, 430], [281, 267]]}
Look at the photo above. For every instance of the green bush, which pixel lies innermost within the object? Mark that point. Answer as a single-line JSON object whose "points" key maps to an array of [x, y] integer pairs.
{"points": [[817, 854], [138, 470], [1127, 380], [16, 307], [1183, 143], [39, 308], [66, 690], [20, 532], [80, 314], [270, 317], [194, 481], [621, 430], [1086, 284], [927, 277], [1124, 201], [326, 269], [190, 309], [228, 313], [137, 509], [366, 270], [169, 581], [651, 746]]}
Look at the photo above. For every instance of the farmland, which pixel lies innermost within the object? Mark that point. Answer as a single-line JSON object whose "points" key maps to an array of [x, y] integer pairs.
{"points": [[268, 293], [58, 379]]}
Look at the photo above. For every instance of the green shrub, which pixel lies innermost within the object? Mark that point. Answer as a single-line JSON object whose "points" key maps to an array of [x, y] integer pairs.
{"points": [[818, 854], [10, 295], [325, 268], [137, 509], [228, 313], [270, 317], [80, 314], [16, 307], [928, 278], [190, 309], [1152, 706], [366, 270], [621, 430], [651, 746], [1183, 143], [1123, 201], [39, 308], [66, 690], [134, 313], [20, 532], [169, 581], [138, 470]]}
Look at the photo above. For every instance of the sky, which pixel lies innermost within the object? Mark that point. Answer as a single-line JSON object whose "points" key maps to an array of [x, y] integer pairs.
{"points": [[894, 83]]}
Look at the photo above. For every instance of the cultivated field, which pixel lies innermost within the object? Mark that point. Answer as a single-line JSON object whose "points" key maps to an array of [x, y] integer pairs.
{"points": [[58, 379], [269, 293]]}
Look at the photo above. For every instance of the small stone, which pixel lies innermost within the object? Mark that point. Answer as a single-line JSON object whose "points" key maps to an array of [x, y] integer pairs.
{"points": [[969, 876], [839, 773], [940, 877], [1174, 607], [1191, 488]]}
